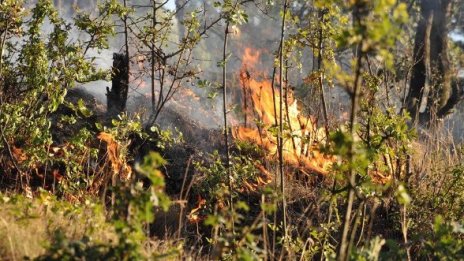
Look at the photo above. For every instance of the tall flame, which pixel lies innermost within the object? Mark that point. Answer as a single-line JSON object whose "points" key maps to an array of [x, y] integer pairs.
{"points": [[261, 107]]}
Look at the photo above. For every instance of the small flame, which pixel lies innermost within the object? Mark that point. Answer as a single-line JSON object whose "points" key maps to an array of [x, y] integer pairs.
{"points": [[250, 57], [195, 216]]}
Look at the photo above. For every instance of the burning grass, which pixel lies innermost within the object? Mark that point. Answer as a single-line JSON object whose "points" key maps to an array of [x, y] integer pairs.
{"points": [[261, 108]]}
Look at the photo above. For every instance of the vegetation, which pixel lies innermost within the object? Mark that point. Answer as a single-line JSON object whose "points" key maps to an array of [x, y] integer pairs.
{"points": [[289, 172]]}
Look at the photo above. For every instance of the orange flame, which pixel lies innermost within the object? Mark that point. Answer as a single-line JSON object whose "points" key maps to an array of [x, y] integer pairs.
{"points": [[261, 107], [194, 216]]}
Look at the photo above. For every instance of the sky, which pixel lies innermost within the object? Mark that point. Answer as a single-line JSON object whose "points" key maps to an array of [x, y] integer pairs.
{"points": [[171, 5], [457, 36]]}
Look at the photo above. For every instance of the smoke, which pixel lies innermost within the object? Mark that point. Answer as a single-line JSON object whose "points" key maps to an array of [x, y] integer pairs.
{"points": [[261, 33], [191, 101]]}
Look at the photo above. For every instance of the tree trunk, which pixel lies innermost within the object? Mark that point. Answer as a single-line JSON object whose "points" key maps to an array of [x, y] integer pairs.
{"points": [[117, 97], [432, 93]]}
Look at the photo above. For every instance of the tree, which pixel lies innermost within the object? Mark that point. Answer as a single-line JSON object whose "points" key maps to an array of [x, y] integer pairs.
{"points": [[36, 70], [433, 91], [117, 96]]}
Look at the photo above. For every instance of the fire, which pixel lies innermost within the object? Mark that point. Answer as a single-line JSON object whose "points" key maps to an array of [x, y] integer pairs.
{"points": [[261, 109], [250, 58], [195, 216]]}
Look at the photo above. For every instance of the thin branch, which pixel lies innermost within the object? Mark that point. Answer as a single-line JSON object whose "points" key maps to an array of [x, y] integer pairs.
{"points": [[281, 130]]}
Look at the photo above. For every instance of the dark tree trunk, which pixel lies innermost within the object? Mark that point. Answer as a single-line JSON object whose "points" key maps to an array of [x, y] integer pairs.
{"points": [[433, 92], [117, 97]]}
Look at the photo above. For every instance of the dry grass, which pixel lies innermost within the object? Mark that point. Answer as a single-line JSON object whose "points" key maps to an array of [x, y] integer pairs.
{"points": [[27, 226]]}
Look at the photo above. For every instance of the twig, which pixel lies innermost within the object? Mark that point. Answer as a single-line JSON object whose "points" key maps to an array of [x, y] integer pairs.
{"points": [[280, 133], [182, 196], [10, 154], [226, 130]]}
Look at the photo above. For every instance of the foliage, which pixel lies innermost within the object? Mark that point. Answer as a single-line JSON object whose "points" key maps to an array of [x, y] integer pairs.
{"points": [[94, 189], [51, 219], [212, 180], [36, 80], [132, 212], [446, 242]]}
